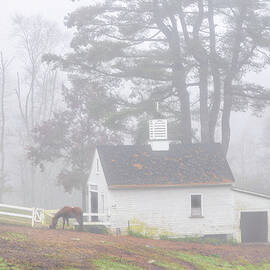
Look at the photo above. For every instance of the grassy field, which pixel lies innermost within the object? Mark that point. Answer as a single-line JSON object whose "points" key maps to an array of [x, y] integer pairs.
{"points": [[193, 261], [188, 261], [25, 248]]}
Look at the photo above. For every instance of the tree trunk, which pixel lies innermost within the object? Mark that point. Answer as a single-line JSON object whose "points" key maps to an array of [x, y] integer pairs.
{"points": [[178, 70], [32, 94], [186, 117], [204, 119], [179, 83], [3, 121], [215, 109], [33, 185], [232, 70], [226, 131]]}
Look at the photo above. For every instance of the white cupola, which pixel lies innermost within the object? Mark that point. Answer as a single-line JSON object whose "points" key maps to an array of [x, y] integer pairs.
{"points": [[158, 135]]}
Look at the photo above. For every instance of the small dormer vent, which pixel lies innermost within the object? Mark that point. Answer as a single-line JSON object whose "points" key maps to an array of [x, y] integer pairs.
{"points": [[158, 129]]}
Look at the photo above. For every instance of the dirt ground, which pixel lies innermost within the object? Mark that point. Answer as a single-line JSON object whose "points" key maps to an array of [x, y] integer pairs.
{"points": [[58, 249]]}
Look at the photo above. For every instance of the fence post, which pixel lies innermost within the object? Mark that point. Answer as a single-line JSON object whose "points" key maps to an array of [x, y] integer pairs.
{"points": [[33, 217], [43, 217]]}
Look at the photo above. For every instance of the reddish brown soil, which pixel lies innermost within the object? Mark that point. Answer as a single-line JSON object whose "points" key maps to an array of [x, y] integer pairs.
{"points": [[57, 249]]}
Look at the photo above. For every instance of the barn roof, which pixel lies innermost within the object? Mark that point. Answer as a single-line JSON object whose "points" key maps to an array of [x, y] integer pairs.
{"points": [[184, 164]]}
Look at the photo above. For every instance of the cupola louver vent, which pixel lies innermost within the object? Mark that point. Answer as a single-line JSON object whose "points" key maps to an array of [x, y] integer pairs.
{"points": [[158, 129]]}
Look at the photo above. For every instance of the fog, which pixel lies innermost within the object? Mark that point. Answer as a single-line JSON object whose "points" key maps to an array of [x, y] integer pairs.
{"points": [[141, 118], [127, 129], [45, 189], [245, 128]]}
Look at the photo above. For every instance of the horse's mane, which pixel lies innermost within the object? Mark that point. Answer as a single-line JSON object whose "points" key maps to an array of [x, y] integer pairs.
{"points": [[58, 214]]}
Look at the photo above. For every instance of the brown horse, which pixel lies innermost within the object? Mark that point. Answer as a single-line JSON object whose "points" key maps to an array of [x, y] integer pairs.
{"points": [[66, 213]]}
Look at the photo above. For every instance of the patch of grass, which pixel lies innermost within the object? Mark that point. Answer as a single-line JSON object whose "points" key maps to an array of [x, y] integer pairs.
{"points": [[5, 219], [262, 266], [140, 229], [215, 263], [137, 234], [159, 256], [169, 265], [7, 266], [13, 236], [110, 263], [201, 240], [55, 255], [15, 221], [205, 262]]}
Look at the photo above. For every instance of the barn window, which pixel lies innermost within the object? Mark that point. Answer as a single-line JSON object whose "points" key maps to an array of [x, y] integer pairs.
{"points": [[93, 188], [196, 205]]}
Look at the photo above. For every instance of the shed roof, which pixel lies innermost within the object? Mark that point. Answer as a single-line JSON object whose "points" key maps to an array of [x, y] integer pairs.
{"points": [[184, 164]]}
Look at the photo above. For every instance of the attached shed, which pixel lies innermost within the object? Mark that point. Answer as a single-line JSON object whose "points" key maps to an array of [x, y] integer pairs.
{"points": [[251, 216]]}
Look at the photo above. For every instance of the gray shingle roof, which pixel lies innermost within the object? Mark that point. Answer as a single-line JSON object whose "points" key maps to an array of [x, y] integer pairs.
{"points": [[183, 164]]}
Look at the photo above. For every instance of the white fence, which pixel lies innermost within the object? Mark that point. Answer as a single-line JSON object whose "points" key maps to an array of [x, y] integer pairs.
{"points": [[35, 214], [102, 218]]}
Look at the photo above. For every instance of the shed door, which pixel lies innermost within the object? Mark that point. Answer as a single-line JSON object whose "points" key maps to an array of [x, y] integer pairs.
{"points": [[254, 227], [94, 205]]}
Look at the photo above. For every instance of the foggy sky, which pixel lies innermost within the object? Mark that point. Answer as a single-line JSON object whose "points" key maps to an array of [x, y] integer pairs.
{"points": [[245, 129], [56, 10]]}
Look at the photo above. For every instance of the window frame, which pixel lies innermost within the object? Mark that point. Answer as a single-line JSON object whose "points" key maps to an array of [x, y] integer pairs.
{"points": [[92, 187], [190, 197]]}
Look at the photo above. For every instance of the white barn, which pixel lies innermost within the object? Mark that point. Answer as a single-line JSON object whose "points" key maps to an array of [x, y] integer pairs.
{"points": [[185, 190]]}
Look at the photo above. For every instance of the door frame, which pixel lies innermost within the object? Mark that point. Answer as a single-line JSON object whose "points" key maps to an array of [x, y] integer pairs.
{"points": [[92, 187], [256, 211]]}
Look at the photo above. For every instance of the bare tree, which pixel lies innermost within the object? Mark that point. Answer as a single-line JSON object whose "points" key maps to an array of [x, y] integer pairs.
{"points": [[3, 70], [38, 82], [36, 36]]}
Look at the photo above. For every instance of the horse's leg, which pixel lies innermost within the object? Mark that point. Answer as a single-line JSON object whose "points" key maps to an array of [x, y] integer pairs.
{"points": [[64, 220], [67, 221], [80, 221]]}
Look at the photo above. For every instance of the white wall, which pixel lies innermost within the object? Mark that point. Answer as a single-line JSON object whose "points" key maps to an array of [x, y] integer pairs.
{"points": [[170, 209], [98, 178], [244, 202]]}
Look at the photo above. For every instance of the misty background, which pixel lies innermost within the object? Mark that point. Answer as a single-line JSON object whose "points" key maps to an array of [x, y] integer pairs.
{"points": [[249, 151]]}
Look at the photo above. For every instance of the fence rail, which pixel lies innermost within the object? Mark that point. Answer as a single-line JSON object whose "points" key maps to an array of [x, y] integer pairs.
{"points": [[103, 221], [16, 207], [95, 215], [35, 214]]}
